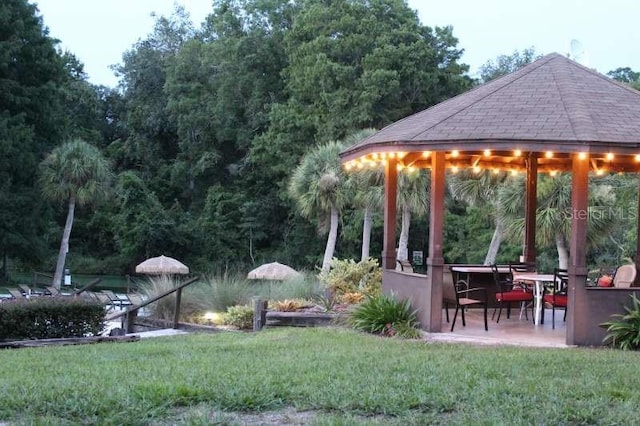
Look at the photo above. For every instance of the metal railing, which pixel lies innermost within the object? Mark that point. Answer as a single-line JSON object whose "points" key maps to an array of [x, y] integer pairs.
{"points": [[131, 312]]}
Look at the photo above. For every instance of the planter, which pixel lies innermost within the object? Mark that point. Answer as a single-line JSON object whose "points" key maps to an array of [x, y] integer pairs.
{"points": [[303, 319]]}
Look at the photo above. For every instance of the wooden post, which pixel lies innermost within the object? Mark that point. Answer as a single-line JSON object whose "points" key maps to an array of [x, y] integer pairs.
{"points": [[390, 210], [177, 311], [577, 304], [435, 261], [530, 208], [259, 314]]}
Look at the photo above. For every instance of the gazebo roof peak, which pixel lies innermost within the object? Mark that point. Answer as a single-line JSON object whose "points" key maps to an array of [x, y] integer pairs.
{"points": [[552, 103]]}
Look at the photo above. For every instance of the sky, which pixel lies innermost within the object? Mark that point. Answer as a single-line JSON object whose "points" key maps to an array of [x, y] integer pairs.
{"points": [[98, 32]]}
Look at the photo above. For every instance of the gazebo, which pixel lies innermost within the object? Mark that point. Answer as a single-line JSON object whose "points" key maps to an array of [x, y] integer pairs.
{"points": [[553, 115]]}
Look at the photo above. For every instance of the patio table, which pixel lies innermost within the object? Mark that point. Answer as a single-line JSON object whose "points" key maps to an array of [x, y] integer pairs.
{"points": [[539, 281]]}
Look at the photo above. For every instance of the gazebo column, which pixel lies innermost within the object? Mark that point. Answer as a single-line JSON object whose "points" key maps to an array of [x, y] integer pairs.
{"points": [[578, 309], [638, 239], [390, 200], [530, 208], [435, 261]]}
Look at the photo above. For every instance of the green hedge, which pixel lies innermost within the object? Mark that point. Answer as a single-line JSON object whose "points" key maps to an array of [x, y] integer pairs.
{"points": [[49, 318]]}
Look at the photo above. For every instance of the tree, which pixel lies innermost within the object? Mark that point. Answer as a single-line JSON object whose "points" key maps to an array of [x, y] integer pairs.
{"points": [[505, 64], [553, 216], [75, 172], [317, 186], [366, 190], [413, 197], [482, 190], [30, 125], [626, 75]]}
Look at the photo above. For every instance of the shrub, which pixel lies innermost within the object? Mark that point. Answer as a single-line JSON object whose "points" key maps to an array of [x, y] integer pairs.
{"points": [[240, 316], [352, 298], [624, 333], [385, 315], [219, 292], [327, 301], [50, 317], [304, 287], [289, 305], [347, 276]]}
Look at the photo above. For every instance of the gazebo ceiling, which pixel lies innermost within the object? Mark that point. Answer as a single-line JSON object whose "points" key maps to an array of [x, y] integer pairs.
{"points": [[549, 110]]}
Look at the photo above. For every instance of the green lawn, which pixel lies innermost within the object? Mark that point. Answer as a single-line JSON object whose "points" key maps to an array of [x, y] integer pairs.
{"points": [[316, 376]]}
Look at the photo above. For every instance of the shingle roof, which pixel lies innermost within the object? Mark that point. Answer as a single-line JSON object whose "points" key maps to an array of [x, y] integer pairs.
{"points": [[553, 102]]}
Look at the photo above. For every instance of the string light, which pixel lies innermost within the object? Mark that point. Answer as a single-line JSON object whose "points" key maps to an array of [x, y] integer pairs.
{"points": [[548, 154], [582, 155], [487, 153], [455, 153], [517, 153], [610, 156]]}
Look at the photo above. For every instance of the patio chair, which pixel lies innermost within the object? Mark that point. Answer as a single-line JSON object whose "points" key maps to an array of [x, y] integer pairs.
{"points": [[52, 291], [556, 297], [116, 300], [624, 276], [507, 293], [465, 297], [520, 268], [16, 293]]}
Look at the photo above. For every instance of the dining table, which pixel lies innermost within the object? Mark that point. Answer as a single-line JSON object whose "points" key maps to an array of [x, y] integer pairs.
{"points": [[538, 280]]}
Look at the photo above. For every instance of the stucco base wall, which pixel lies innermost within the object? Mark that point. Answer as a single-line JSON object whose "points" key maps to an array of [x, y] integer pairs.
{"points": [[600, 304], [412, 287]]}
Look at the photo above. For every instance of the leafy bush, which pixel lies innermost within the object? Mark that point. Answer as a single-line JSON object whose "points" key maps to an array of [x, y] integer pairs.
{"points": [[240, 316], [624, 333], [349, 276], [385, 315], [50, 317]]}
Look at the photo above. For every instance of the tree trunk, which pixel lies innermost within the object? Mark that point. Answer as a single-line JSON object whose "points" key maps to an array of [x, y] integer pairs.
{"points": [[403, 243], [64, 244], [331, 241], [496, 240], [563, 253], [366, 233]]}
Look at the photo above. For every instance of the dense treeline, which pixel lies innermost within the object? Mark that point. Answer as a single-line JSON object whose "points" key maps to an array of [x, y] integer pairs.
{"points": [[208, 124]]}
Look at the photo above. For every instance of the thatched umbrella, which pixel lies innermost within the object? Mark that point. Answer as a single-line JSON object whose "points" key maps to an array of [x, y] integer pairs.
{"points": [[273, 271], [162, 265]]}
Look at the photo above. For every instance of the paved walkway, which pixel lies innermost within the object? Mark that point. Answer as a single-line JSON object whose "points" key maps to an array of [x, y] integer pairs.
{"points": [[158, 333]]}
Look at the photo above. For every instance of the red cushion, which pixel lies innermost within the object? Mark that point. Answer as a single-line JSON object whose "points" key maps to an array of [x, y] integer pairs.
{"points": [[559, 300], [514, 296], [605, 281]]}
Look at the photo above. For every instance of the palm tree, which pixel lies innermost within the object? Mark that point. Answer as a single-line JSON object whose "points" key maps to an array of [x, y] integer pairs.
{"points": [[483, 190], [75, 172], [366, 189], [413, 197], [317, 186], [553, 216]]}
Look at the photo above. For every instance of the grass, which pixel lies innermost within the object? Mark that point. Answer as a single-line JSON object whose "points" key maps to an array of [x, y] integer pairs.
{"points": [[322, 375]]}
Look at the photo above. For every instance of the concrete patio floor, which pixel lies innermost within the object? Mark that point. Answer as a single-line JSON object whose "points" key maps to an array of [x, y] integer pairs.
{"points": [[509, 331]]}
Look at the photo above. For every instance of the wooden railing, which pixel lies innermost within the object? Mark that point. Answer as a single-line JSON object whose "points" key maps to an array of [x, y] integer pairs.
{"points": [[131, 312]]}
